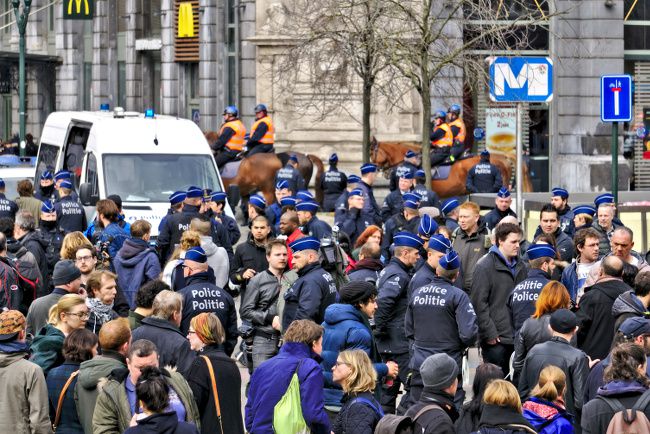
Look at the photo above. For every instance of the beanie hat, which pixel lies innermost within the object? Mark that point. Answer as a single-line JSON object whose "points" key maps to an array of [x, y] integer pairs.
{"points": [[356, 291], [65, 272], [438, 371]]}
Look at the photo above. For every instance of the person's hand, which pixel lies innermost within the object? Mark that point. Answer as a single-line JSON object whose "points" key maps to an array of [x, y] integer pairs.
{"points": [[276, 323], [82, 292], [393, 369], [217, 218], [134, 420], [592, 362], [493, 341], [248, 273]]}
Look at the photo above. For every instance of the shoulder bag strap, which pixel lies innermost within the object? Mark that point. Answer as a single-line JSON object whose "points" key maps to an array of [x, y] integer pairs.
{"points": [[214, 391], [427, 408], [613, 403], [59, 405], [370, 404], [643, 401]]}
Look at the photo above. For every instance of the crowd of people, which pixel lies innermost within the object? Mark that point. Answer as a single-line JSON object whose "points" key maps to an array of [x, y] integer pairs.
{"points": [[361, 327]]}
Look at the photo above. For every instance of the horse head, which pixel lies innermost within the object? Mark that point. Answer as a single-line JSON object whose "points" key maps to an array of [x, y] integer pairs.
{"points": [[378, 156]]}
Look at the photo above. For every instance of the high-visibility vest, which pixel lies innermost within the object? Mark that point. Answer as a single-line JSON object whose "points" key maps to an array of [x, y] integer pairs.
{"points": [[446, 140], [462, 131], [236, 142], [269, 136]]}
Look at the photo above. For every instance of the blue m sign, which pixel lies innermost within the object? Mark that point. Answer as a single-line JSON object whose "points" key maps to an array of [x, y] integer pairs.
{"points": [[521, 79]]}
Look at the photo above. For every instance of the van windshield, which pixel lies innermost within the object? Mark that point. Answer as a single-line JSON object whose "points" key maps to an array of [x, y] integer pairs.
{"points": [[153, 177]]}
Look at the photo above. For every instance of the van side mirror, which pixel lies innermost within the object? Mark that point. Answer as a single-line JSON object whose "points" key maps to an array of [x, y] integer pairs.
{"points": [[86, 194]]}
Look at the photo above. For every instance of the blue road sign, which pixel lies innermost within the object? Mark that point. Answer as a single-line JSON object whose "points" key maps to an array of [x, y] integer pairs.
{"points": [[616, 98], [521, 79]]}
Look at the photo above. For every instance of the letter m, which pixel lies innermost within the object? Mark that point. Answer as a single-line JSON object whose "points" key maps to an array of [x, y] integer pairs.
{"points": [[503, 76]]}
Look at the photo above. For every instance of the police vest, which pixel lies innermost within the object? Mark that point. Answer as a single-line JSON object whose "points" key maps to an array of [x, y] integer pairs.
{"points": [[236, 142], [446, 140], [269, 136], [462, 131]]}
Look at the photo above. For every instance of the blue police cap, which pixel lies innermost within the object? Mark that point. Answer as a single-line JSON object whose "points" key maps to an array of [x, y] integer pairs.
{"points": [[584, 209], [450, 261], [439, 243], [410, 154], [411, 204], [47, 207], [288, 201], [420, 173], [635, 327], [46, 175], [412, 195], [218, 196], [334, 158], [304, 195], [368, 168], [485, 153], [293, 158], [62, 174], [356, 192], [177, 197], [307, 205], [503, 192], [257, 201], [66, 184], [407, 239], [449, 205], [196, 254], [354, 179], [558, 191], [305, 243], [407, 175], [603, 199], [427, 227], [536, 251], [282, 184], [194, 192]]}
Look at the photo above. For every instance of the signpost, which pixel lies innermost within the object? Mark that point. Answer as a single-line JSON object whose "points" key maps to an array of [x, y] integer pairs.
{"points": [[521, 80], [615, 107]]}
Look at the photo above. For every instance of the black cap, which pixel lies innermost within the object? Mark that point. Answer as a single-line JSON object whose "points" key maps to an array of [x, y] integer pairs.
{"points": [[563, 321], [117, 199], [356, 291]]}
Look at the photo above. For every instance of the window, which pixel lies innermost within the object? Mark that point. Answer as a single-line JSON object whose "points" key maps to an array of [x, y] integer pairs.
{"points": [[121, 84], [47, 155], [91, 174], [636, 32], [194, 80], [233, 49], [152, 19], [7, 15], [87, 84]]}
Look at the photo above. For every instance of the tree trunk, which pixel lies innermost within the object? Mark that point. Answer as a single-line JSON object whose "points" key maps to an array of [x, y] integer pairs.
{"points": [[426, 129], [367, 95]]}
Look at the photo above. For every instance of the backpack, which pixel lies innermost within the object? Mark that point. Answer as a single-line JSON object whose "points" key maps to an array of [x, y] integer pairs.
{"points": [[29, 276], [626, 420], [287, 413], [393, 424]]}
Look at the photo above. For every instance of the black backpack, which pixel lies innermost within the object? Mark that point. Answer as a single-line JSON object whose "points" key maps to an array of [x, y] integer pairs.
{"points": [[393, 424], [30, 280]]}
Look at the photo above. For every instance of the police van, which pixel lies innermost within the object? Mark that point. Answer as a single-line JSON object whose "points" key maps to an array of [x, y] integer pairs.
{"points": [[142, 157]]}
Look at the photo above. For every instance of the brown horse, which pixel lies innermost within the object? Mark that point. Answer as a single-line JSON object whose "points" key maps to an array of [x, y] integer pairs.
{"points": [[257, 172], [387, 155]]}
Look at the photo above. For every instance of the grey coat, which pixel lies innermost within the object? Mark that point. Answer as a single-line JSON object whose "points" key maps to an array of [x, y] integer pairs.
{"points": [[260, 302]]}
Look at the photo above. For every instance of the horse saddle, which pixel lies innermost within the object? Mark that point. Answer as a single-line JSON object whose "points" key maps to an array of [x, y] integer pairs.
{"points": [[441, 172], [230, 169]]}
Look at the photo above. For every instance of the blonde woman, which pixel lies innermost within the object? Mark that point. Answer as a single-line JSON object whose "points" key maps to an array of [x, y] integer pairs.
{"points": [[172, 274], [68, 314], [545, 408], [73, 242], [502, 411], [356, 375]]}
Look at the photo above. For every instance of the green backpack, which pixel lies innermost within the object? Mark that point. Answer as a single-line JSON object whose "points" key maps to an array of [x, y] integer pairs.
{"points": [[287, 413]]}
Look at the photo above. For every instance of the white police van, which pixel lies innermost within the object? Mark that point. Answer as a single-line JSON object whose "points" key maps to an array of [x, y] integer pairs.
{"points": [[142, 157]]}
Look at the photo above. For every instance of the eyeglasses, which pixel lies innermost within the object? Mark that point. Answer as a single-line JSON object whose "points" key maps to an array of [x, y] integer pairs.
{"points": [[80, 315], [338, 363], [84, 258], [191, 332]]}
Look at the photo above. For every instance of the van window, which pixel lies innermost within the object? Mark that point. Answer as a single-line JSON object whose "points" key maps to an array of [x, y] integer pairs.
{"points": [[47, 156], [74, 151], [153, 177], [91, 174]]}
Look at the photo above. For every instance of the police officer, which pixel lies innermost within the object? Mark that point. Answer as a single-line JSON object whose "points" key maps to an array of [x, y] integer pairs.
{"points": [[71, 215], [291, 174], [176, 200], [355, 220], [315, 289], [341, 204], [503, 200], [411, 163], [442, 139], [274, 211], [262, 134], [59, 177], [428, 197], [368, 178], [217, 205], [231, 137], [392, 300], [45, 187], [439, 318], [8, 208], [201, 295], [559, 199], [449, 209], [394, 201], [436, 248], [484, 177], [310, 224], [521, 302], [583, 216], [52, 235], [458, 130], [333, 183], [407, 220]]}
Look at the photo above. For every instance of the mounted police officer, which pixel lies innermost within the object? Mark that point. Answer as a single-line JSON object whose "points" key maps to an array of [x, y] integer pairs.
{"points": [[394, 202], [341, 204], [442, 139], [412, 162], [309, 223], [503, 200], [291, 174], [429, 197], [355, 220], [458, 130], [8, 208], [368, 178], [559, 199], [484, 177], [333, 183], [262, 136], [315, 289], [392, 301], [231, 137], [71, 215]]}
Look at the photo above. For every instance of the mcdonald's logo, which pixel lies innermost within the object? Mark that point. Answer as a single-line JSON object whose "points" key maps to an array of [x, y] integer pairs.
{"points": [[185, 20], [78, 9]]}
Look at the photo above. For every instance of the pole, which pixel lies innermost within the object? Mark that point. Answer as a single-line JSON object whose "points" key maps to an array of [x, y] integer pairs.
{"points": [[518, 175], [21, 22], [615, 161]]}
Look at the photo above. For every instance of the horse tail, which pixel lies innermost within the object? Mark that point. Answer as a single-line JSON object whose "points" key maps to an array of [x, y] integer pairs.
{"points": [[320, 170]]}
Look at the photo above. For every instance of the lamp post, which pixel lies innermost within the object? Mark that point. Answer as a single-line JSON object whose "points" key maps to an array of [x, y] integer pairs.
{"points": [[21, 22]]}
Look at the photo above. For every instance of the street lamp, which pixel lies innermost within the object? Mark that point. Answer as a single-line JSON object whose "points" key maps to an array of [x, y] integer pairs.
{"points": [[21, 22]]}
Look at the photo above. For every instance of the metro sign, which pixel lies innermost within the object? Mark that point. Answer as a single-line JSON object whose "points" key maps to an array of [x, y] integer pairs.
{"points": [[521, 79]]}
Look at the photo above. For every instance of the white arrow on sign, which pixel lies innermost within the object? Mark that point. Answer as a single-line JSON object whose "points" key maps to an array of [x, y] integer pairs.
{"points": [[616, 88]]}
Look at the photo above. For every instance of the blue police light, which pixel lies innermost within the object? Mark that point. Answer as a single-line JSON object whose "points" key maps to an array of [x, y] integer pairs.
{"points": [[149, 114], [104, 107]]}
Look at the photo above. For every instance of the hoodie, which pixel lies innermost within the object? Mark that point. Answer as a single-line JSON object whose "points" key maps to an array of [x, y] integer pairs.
{"points": [[135, 264], [218, 260], [547, 417], [162, 423], [47, 348], [597, 414], [628, 305]]}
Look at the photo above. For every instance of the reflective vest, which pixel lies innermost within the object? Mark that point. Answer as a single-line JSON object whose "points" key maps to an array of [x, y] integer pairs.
{"points": [[269, 136], [462, 131], [236, 142], [447, 139]]}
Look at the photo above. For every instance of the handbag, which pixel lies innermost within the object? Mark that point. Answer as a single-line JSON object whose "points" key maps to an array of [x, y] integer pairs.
{"points": [[59, 405], [217, 406], [287, 413]]}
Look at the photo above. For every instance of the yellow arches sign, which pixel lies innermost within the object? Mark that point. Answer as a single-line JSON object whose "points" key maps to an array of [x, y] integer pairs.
{"points": [[78, 9]]}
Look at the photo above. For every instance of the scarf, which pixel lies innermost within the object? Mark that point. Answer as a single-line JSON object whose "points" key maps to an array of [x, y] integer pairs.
{"points": [[104, 312]]}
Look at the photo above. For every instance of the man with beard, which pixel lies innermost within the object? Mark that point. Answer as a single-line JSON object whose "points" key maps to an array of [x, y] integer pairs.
{"points": [[290, 228], [549, 223]]}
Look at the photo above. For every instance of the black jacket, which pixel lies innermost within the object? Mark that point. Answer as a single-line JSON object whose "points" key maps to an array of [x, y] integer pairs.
{"points": [[356, 417], [228, 379], [627, 305], [354, 221], [484, 178], [173, 348], [533, 332], [309, 296], [393, 204], [392, 301], [366, 270], [162, 423], [70, 215], [492, 283], [503, 420], [597, 414], [393, 225], [571, 361], [247, 255], [37, 245], [317, 228], [523, 297], [434, 421], [595, 317], [333, 183], [564, 244], [494, 216], [403, 168], [53, 239]]}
